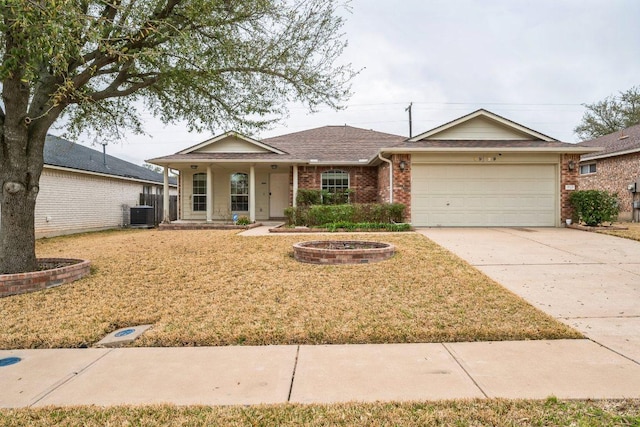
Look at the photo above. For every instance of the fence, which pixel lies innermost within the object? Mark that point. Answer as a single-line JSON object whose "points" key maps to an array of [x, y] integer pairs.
{"points": [[157, 201]]}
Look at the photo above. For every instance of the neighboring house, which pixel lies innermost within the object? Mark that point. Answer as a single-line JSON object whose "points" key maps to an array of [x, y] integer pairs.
{"points": [[478, 170], [615, 168], [83, 190]]}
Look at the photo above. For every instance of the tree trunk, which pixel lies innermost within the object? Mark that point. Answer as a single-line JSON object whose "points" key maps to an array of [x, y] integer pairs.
{"points": [[19, 185], [17, 230]]}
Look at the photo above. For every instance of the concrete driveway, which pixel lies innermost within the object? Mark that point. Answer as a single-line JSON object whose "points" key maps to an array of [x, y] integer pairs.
{"points": [[589, 281]]}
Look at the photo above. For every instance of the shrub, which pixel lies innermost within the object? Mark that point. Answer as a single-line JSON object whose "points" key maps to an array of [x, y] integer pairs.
{"points": [[308, 197], [243, 220], [319, 215], [593, 207], [365, 226]]}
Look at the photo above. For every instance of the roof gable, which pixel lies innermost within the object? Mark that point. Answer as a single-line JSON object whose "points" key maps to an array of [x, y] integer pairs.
{"points": [[482, 125], [231, 142]]}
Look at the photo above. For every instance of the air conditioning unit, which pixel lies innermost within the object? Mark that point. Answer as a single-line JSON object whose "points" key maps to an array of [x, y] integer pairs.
{"points": [[636, 205], [142, 217]]}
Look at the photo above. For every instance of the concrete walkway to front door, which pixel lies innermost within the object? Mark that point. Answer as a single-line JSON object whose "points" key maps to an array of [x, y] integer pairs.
{"points": [[587, 280]]}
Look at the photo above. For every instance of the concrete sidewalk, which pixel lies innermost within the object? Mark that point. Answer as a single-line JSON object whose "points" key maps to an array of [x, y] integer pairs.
{"points": [[568, 369], [589, 281]]}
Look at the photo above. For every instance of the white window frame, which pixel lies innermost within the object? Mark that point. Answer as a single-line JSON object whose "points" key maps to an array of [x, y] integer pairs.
{"points": [[236, 200], [589, 166], [199, 199]]}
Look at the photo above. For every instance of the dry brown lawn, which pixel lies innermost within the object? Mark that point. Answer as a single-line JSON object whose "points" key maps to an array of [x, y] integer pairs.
{"points": [[632, 232], [217, 288], [489, 412]]}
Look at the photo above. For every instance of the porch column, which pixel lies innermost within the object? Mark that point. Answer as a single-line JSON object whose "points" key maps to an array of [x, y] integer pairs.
{"points": [[209, 194], [295, 185], [165, 197], [252, 193]]}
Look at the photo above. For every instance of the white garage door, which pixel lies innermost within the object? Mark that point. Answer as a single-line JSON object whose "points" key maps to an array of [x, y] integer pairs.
{"points": [[483, 195]]}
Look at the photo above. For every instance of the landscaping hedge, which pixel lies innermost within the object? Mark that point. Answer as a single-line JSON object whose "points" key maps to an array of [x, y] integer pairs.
{"points": [[319, 215]]}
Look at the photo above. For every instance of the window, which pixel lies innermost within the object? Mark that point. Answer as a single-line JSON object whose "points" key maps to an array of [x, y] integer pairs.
{"points": [[200, 192], [587, 169], [336, 182], [240, 192]]}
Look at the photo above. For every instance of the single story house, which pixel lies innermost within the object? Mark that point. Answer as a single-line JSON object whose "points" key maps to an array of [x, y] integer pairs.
{"points": [[478, 170], [615, 168], [82, 189]]}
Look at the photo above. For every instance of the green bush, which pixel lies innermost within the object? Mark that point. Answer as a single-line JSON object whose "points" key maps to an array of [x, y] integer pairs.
{"points": [[308, 197], [319, 215], [593, 207], [365, 226], [243, 220]]}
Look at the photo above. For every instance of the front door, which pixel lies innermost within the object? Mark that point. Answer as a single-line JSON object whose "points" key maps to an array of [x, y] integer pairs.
{"points": [[278, 194]]}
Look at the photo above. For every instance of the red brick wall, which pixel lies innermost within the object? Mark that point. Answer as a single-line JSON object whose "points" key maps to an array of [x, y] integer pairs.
{"points": [[567, 178], [402, 182], [383, 183], [363, 180], [614, 174]]}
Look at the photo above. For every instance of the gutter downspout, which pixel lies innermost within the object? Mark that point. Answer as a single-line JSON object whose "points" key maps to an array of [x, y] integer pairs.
{"points": [[390, 176]]}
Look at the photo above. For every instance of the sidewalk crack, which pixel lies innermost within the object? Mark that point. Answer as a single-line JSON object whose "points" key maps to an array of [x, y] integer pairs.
{"points": [[465, 371], [293, 374], [55, 386]]}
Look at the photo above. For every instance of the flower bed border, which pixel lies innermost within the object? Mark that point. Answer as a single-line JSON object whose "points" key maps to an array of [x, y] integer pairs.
{"points": [[312, 252], [20, 283]]}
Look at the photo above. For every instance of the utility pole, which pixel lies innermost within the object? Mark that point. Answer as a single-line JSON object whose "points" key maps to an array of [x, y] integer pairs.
{"points": [[409, 110]]}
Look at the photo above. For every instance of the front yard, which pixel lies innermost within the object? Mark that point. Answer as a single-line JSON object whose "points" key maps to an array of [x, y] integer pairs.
{"points": [[217, 288], [632, 232]]}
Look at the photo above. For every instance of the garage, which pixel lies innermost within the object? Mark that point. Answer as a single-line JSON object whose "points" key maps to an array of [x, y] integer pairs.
{"points": [[484, 195]]}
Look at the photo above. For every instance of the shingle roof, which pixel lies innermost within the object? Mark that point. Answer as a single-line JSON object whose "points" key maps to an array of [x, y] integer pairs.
{"points": [[334, 143], [63, 153], [614, 144], [325, 144]]}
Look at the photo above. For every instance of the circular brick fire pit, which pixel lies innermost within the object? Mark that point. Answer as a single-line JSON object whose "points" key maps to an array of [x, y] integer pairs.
{"points": [[54, 272], [342, 251]]}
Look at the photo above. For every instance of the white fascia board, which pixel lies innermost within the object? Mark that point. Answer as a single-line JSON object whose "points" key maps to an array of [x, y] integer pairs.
{"points": [[573, 150]]}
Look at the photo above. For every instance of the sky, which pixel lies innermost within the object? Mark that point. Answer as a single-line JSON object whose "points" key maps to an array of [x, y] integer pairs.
{"points": [[532, 62]]}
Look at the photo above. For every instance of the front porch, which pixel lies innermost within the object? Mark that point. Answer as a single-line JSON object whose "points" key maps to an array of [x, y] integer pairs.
{"points": [[199, 225], [216, 194]]}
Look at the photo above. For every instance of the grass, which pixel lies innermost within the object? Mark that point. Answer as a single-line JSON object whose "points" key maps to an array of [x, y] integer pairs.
{"points": [[632, 232], [491, 412], [210, 287]]}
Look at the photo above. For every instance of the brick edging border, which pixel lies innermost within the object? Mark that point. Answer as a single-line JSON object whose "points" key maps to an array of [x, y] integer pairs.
{"points": [[20, 283]]}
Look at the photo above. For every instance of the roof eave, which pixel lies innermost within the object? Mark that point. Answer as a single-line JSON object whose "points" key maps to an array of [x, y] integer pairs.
{"points": [[572, 150], [105, 175], [611, 154]]}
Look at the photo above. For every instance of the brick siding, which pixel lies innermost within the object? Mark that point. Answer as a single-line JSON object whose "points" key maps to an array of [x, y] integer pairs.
{"points": [[71, 202], [614, 174], [402, 183], [363, 180], [568, 178]]}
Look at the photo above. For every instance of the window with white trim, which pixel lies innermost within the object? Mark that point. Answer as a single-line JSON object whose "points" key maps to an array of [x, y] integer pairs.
{"points": [[336, 182], [199, 192], [240, 192], [587, 168]]}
